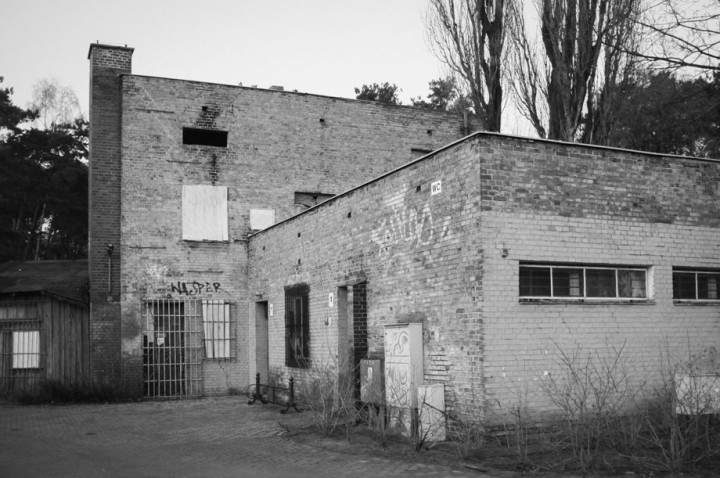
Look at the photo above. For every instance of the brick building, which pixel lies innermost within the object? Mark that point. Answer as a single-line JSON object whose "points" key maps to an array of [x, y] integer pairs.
{"points": [[509, 251], [181, 173], [506, 250]]}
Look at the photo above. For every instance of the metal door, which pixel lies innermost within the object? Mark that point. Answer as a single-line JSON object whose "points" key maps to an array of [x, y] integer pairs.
{"points": [[172, 348]]}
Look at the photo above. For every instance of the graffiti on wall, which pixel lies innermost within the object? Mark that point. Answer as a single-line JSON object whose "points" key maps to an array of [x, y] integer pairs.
{"points": [[406, 229], [194, 288]]}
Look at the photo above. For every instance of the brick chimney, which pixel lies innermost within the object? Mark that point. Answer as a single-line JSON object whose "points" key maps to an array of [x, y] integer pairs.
{"points": [[107, 65]]}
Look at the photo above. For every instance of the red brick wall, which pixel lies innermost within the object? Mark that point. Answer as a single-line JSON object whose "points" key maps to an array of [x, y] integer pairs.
{"points": [[279, 143], [106, 66], [417, 254], [439, 259]]}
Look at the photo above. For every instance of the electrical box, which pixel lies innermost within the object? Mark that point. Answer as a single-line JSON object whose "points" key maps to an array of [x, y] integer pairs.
{"points": [[403, 364], [371, 381], [431, 399]]}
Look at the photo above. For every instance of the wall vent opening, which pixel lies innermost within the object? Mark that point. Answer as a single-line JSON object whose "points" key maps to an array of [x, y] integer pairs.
{"points": [[205, 137]]}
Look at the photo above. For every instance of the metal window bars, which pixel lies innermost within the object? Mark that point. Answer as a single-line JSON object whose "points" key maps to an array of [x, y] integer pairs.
{"points": [[172, 348]]}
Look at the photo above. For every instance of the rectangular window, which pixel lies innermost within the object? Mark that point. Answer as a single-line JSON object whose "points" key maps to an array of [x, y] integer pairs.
{"points": [[205, 137], [216, 326], [544, 281], [695, 285], [297, 326], [204, 213], [307, 200], [26, 349]]}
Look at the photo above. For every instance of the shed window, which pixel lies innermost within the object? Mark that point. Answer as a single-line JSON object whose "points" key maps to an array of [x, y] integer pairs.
{"points": [[26, 349], [582, 282], [696, 285], [216, 325], [297, 326], [204, 213]]}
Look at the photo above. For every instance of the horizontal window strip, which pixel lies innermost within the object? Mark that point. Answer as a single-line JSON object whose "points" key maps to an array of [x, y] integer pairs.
{"points": [[561, 281]]}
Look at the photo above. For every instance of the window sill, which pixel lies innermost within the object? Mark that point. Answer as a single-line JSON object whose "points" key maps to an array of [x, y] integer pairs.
{"points": [[207, 241], [696, 302], [555, 301]]}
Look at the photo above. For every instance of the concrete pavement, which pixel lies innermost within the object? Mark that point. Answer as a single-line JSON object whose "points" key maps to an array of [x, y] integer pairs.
{"points": [[213, 437]]}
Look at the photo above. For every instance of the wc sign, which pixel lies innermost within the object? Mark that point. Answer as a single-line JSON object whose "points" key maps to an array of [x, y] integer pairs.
{"points": [[435, 187]]}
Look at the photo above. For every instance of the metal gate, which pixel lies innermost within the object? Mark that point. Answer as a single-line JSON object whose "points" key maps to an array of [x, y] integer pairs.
{"points": [[172, 348]]}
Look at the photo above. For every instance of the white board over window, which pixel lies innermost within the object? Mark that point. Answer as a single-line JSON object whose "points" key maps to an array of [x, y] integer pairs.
{"points": [[261, 219], [204, 213]]}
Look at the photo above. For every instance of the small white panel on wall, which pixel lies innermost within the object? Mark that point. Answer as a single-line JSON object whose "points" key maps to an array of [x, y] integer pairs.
{"points": [[261, 219], [331, 300], [270, 310], [431, 398], [435, 187]]}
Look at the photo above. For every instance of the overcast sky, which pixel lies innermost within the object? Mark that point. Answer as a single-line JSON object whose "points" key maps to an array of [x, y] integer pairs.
{"points": [[325, 47]]}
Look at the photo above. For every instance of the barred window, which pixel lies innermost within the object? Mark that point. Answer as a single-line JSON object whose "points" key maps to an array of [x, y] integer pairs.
{"points": [[26, 349], [297, 326], [582, 282], [216, 325], [695, 284]]}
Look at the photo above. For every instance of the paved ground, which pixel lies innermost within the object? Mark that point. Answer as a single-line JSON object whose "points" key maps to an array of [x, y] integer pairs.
{"points": [[214, 437]]}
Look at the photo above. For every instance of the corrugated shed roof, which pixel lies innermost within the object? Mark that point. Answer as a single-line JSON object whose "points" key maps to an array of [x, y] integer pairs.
{"points": [[68, 279]]}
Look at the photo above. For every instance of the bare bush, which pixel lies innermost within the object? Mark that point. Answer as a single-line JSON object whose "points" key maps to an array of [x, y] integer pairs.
{"points": [[592, 393], [328, 396], [684, 425]]}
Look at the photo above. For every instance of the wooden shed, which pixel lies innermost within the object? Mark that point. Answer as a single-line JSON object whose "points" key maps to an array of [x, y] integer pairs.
{"points": [[44, 330]]}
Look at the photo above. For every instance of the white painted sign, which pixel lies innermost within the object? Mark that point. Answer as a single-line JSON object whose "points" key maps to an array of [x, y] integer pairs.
{"points": [[270, 310], [436, 187], [331, 300]]}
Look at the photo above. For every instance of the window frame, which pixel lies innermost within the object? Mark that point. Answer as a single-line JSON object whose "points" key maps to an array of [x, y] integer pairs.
{"points": [[583, 296], [297, 329], [696, 272], [217, 330], [25, 360]]}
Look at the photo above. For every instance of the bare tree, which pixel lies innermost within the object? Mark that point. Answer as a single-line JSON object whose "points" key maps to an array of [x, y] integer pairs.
{"points": [[681, 33], [54, 103], [468, 36], [613, 71], [529, 71], [568, 94]]}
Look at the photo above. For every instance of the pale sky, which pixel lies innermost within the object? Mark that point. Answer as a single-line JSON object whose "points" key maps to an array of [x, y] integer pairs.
{"points": [[325, 47]]}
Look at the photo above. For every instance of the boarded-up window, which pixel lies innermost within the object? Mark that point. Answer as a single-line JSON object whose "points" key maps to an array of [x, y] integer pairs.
{"points": [[297, 326], [204, 213], [26, 349], [261, 219], [216, 326]]}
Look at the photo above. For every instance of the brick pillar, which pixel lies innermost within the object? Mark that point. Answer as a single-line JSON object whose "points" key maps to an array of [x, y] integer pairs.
{"points": [[360, 334], [107, 64]]}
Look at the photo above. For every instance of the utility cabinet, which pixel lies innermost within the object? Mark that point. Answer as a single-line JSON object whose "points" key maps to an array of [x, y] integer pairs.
{"points": [[371, 381], [403, 364]]}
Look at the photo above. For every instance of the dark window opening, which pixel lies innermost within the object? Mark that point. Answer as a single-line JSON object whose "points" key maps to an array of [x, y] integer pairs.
{"points": [[696, 285], [205, 137], [297, 326], [307, 200], [419, 152]]}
